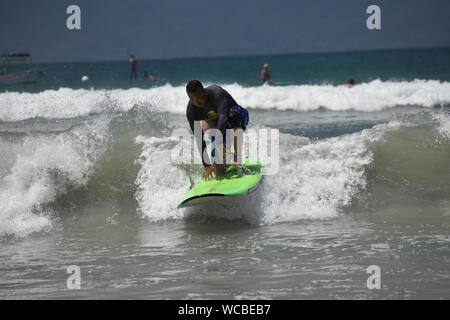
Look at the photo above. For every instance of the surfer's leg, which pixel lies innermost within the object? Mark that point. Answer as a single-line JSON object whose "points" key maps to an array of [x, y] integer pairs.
{"points": [[218, 168], [237, 144]]}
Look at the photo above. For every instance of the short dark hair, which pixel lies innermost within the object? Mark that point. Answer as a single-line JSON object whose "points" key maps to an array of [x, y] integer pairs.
{"points": [[193, 86], [351, 81]]}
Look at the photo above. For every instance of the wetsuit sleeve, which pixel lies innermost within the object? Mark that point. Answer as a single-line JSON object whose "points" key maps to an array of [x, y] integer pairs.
{"points": [[191, 117], [223, 113]]}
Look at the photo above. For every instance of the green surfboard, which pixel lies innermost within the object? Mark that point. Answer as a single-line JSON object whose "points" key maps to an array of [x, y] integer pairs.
{"points": [[235, 182]]}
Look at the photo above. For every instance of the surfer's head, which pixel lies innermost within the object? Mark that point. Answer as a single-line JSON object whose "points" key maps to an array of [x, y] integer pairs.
{"points": [[197, 94], [350, 83]]}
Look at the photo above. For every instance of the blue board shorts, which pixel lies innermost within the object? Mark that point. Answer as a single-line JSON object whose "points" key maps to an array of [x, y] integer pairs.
{"points": [[238, 118]]}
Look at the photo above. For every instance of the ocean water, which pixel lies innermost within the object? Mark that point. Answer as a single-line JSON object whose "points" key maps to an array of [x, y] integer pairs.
{"points": [[364, 180]]}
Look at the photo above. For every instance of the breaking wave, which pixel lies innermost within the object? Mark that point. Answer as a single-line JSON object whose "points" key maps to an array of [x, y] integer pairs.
{"points": [[372, 96]]}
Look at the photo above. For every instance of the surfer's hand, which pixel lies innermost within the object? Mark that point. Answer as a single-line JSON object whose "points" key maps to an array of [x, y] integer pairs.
{"points": [[207, 174]]}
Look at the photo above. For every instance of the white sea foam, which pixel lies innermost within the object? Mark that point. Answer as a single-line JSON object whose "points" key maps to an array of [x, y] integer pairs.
{"points": [[39, 169], [317, 179], [160, 184], [372, 96], [444, 123]]}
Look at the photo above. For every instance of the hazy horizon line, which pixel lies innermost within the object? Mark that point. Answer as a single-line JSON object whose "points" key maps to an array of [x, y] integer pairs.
{"points": [[239, 56]]}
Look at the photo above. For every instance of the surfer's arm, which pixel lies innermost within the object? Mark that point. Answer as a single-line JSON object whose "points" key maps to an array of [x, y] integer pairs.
{"points": [[190, 114], [222, 121]]}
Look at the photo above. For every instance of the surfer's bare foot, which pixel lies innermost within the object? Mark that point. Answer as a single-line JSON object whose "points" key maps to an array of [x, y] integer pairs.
{"points": [[207, 173]]}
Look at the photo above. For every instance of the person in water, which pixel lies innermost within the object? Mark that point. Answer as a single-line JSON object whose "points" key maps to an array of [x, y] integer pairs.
{"points": [[147, 76], [133, 67], [214, 107], [350, 83], [265, 75]]}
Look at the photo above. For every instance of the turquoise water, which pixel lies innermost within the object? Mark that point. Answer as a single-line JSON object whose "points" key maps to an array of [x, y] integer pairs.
{"points": [[86, 179], [332, 68]]}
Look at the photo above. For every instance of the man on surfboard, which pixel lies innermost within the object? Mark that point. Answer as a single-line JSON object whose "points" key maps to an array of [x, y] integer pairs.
{"points": [[214, 108]]}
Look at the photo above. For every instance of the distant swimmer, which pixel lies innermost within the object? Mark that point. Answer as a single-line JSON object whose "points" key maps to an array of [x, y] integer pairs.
{"points": [[265, 76], [147, 76], [350, 83], [133, 67]]}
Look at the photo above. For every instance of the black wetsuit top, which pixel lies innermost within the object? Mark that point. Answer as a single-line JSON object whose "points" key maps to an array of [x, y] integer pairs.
{"points": [[216, 112]]}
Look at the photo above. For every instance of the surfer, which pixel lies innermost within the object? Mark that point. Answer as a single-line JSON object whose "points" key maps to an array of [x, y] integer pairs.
{"points": [[265, 76], [350, 83], [214, 108], [147, 76], [133, 67]]}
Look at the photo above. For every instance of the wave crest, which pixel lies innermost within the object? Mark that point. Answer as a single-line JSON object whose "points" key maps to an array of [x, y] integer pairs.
{"points": [[371, 96]]}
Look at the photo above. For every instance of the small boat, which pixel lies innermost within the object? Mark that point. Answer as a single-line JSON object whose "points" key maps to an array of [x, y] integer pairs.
{"points": [[21, 77]]}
